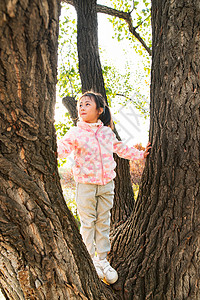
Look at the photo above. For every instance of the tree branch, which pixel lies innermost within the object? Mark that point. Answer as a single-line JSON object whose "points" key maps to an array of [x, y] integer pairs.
{"points": [[71, 106], [126, 16]]}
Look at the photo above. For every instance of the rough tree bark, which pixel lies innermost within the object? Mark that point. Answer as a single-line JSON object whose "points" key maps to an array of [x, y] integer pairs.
{"points": [[158, 248], [42, 255], [87, 45]]}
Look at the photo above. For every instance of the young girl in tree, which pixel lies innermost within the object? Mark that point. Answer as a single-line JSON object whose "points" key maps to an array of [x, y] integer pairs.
{"points": [[94, 142]]}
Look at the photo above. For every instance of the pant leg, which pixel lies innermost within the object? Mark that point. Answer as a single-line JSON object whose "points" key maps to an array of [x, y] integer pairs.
{"points": [[86, 205], [105, 195]]}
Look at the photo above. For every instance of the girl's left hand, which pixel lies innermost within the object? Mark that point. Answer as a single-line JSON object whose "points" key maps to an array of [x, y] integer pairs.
{"points": [[146, 151]]}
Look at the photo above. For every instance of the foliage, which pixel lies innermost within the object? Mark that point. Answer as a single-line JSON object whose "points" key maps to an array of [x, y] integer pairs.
{"points": [[141, 17], [117, 82], [120, 88], [69, 83], [62, 128]]}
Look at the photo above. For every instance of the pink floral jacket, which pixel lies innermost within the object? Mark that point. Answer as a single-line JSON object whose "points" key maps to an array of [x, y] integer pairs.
{"points": [[93, 152]]}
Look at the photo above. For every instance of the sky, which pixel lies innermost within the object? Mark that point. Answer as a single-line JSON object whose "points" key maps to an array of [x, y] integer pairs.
{"points": [[132, 127]]}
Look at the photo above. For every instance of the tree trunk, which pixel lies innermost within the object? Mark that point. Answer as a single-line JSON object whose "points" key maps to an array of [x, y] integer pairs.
{"points": [[92, 78], [158, 248], [87, 45], [42, 255]]}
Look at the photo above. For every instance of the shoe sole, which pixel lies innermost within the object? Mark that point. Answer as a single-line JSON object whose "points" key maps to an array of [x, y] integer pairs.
{"points": [[108, 283], [104, 280]]}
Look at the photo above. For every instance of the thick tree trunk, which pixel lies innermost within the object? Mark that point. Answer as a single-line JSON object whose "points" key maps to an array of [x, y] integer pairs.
{"points": [[42, 255], [160, 257], [92, 78]]}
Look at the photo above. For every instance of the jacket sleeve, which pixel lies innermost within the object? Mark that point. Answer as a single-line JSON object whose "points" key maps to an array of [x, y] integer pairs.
{"points": [[124, 151], [67, 144]]}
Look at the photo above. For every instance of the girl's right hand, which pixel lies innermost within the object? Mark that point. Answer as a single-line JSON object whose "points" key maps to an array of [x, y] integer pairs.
{"points": [[146, 151]]}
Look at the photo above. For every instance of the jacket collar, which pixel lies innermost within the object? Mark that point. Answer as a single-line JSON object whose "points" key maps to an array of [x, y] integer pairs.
{"points": [[85, 126]]}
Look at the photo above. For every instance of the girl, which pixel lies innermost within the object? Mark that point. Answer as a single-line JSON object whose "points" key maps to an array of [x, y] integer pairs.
{"points": [[94, 142]]}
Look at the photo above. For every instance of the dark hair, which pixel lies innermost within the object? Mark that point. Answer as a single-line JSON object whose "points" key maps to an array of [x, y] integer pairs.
{"points": [[105, 117]]}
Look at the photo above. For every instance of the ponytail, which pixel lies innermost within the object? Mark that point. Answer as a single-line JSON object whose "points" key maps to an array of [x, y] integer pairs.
{"points": [[106, 117]]}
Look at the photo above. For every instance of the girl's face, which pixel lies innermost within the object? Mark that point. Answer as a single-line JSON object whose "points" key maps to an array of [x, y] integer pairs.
{"points": [[87, 110]]}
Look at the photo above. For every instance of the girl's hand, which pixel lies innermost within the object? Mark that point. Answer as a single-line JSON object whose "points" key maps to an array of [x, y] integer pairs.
{"points": [[146, 151]]}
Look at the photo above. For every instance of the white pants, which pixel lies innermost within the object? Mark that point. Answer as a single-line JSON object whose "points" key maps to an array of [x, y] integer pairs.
{"points": [[94, 203]]}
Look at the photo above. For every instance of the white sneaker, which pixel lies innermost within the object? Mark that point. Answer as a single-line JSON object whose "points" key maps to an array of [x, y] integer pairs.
{"points": [[110, 274], [98, 267]]}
